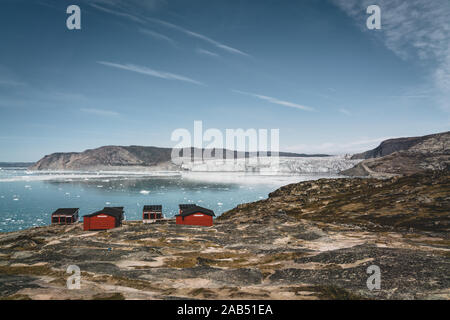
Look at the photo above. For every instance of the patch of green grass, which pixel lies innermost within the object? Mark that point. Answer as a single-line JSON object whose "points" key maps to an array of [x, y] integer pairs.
{"points": [[113, 296], [39, 270], [16, 297], [205, 293], [184, 262], [335, 293]]}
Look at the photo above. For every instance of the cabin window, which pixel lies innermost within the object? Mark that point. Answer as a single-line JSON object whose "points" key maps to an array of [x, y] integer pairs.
{"points": [[69, 220], [55, 220], [62, 220], [145, 216], [152, 216]]}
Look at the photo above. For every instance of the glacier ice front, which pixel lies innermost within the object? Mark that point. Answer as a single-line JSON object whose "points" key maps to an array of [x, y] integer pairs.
{"points": [[333, 164]]}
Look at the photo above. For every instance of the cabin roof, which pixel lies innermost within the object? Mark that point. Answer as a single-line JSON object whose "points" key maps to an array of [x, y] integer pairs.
{"points": [[186, 206], [195, 209], [65, 211], [157, 208], [116, 212]]}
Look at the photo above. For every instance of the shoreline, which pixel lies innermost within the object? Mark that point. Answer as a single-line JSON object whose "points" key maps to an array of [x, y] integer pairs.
{"points": [[289, 246]]}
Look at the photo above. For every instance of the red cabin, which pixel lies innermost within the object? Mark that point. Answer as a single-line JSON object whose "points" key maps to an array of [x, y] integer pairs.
{"points": [[108, 218], [65, 216], [152, 213], [196, 216]]}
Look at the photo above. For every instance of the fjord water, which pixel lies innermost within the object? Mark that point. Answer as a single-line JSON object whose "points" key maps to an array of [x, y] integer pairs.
{"points": [[27, 199]]}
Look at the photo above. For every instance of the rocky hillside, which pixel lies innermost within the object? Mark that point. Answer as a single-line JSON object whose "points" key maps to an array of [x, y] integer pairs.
{"points": [[404, 156], [434, 143], [119, 157], [105, 157], [420, 201]]}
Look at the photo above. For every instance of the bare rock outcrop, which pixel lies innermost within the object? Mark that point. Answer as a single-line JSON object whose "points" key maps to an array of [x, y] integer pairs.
{"points": [[404, 156], [434, 144], [108, 157]]}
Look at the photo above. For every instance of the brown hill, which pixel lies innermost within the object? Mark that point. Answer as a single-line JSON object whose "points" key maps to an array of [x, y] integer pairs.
{"points": [[420, 201], [404, 156], [434, 143]]}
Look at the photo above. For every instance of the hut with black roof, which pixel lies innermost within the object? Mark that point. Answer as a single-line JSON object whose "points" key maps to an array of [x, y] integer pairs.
{"points": [[107, 218], [184, 206], [195, 216], [152, 213], [65, 216]]}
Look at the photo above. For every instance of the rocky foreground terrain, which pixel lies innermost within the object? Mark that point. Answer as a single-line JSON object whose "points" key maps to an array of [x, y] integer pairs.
{"points": [[311, 240]]}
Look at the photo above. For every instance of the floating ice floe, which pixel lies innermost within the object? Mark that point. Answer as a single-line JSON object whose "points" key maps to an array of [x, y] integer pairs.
{"points": [[144, 192]]}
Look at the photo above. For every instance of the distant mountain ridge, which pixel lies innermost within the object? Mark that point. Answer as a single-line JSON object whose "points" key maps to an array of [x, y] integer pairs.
{"points": [[429, 143], [123, 157], [404, 156]]}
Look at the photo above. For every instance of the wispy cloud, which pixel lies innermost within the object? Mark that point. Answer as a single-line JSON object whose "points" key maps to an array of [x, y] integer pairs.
{"points": [[118, 13], [207, 53], [157, 36], [136, 5], [413, 30], [150, 72], [199, 36], [276, 101], [119, 8], [11, 83], [345, 111], [100, 112]]}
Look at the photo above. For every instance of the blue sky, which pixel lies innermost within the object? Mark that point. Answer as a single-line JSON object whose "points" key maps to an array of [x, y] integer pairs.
{"points": [[137, 70]]}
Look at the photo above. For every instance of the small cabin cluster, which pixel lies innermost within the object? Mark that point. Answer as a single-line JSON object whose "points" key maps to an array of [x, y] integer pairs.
{"points": [[112, 217]]}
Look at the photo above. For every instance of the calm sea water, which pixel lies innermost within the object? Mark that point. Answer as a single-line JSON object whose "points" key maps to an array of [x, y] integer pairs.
{"points": [[27, 199]]}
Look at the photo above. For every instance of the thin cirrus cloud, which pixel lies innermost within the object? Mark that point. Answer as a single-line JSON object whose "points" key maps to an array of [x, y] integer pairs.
{"points": [[414, 30], [276, 101], [143, 20], [11, 83], [117, 13], [207, 53], [345, 111], [199, 36], [157, 35], [150, 72], [100, 112]]}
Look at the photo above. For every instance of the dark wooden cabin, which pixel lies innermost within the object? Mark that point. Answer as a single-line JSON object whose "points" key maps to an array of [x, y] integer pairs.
{"points": [[65, 216], [152, 213]]}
